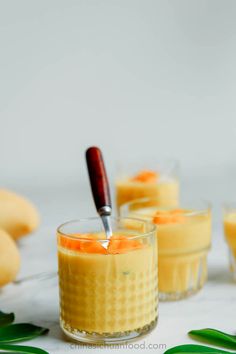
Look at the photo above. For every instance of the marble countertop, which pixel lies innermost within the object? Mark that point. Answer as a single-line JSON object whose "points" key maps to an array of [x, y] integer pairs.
{"points": [[36, 300]]}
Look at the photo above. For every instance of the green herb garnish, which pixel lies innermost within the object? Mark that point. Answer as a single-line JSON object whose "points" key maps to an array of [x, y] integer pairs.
{"points": [[215, 337], [209, 335], [191, 348], [6, 318], [20, 332], [9, 348], [11, 333]]}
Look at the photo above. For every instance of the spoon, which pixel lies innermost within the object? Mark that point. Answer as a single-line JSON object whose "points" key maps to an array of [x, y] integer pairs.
{"points": [[102, 199], [100, 188]]}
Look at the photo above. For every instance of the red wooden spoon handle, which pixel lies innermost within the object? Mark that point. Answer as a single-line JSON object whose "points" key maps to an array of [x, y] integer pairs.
{"points": [[98, 180]]}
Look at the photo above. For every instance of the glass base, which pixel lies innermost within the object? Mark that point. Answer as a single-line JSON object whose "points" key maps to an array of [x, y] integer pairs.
{"points": [[107, 338], [232, 263], [185, 278], [178, 295]]}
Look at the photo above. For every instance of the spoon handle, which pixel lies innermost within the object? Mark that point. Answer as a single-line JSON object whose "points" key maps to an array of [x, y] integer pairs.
{"points": [[98, 180]]}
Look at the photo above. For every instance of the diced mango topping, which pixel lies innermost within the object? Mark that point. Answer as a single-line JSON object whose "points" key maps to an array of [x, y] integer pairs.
{"points": [[146, 176], [122, 244], [92, 247], [175, 216], [117, 244], [73, 243]]}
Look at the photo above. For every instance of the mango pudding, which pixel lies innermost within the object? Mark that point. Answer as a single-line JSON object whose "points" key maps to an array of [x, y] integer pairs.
{"points": [[230, 235], [108, 289], [162, 186], [184, 238]]}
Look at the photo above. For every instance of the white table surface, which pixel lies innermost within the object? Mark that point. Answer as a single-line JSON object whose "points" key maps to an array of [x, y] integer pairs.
{"points": [[37, 300]]}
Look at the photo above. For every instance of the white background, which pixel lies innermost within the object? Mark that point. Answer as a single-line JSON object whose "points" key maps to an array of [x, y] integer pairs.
{"points": [[134, 77], [138, 78]]}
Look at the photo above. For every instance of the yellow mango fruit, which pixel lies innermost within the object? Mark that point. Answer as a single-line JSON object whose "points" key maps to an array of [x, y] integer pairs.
{"points": [[9, 258], [18, 216]]}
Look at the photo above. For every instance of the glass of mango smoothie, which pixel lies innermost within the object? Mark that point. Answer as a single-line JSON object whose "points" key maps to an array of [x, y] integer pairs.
{"points": [[108, 289], [184, 238], [157, 180], [230, 234]]}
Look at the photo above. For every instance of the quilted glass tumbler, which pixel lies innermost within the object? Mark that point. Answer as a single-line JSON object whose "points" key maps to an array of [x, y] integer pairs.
{"points": [[108, 289]]}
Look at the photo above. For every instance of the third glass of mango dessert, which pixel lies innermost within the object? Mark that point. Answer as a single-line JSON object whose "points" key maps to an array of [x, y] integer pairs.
{"points": [[151, 180], [108, 290], [184, 238], [230, 234]]}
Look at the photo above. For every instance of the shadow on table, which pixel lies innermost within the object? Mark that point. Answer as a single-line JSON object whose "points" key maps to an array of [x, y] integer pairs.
{"points": [[220, 275]]}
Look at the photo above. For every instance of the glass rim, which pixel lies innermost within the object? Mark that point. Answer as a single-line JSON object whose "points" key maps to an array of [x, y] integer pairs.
{"points": [[169, 164], [153, 227], [188, 214]]}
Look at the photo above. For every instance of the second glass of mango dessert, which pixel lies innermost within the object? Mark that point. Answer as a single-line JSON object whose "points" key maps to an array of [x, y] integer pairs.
{"points": [[108, 288], [151, 180], [184, 239], [230, 235]]}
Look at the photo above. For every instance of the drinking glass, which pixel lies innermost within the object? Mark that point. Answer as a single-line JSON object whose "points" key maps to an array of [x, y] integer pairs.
{"points": [[108, 291], [184, 239], [229, 220], [150, 179]]}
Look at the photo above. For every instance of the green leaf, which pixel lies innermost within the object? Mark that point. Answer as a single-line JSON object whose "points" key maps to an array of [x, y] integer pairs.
{"points": [[190, 348], [215, 337], [6, 318], [8, 348], [20, 332]]}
